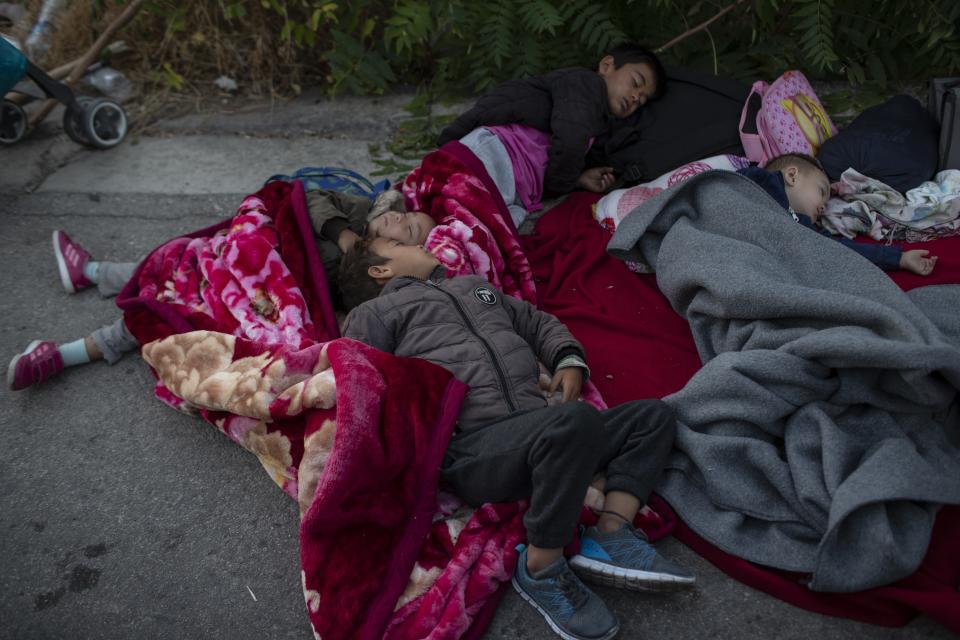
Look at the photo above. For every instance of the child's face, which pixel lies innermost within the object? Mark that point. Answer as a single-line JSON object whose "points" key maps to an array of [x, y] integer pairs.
{"points": [[402, 260], [628, 87], [410, 228], [808, 190]]}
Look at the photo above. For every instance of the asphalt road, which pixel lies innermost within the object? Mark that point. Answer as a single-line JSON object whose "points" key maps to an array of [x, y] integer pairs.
{"points": [[121, 518]]}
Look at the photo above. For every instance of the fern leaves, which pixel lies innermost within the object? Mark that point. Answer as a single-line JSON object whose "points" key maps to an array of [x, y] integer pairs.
{"points": [[355, 69], [815, 31], [518, 37], [466, 45], [409, 26], [540, 16], [591, 23]]}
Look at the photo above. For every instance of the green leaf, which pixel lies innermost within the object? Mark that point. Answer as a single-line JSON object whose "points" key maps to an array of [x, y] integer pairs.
{"points": [[171, 77], [581, 17], [409, 27], [540, 16], [814, 31], [877, 72], [855, 73]]}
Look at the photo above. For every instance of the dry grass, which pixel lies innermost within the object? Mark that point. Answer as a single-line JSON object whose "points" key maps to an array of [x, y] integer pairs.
{"points": [[184, 46], [75, 28], [248, 50]]}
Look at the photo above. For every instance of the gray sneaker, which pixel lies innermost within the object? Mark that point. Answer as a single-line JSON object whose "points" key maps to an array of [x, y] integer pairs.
{"points": [[569, 607], [626, 560]]}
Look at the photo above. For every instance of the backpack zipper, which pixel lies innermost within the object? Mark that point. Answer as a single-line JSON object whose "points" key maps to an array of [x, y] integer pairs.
{"points": [[489, 347]]}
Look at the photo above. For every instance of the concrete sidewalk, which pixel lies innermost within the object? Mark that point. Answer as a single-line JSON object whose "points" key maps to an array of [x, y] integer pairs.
{"points": [[122, 518]]}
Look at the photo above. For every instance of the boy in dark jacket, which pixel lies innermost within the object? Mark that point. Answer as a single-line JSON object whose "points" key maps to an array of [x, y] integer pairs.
{"points": [[508, 444], [800, 185], [546, 124]]}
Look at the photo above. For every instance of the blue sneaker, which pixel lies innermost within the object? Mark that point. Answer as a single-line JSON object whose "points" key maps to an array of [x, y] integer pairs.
{"points": [[626, 560], [569, 607]]}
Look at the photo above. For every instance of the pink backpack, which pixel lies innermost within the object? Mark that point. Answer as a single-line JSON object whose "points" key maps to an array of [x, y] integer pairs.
{"points": [[783, 117]]}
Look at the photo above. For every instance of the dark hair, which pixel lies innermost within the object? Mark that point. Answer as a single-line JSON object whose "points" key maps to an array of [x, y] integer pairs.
{"points": [[356, 284], [631, 52], [802, 160]]}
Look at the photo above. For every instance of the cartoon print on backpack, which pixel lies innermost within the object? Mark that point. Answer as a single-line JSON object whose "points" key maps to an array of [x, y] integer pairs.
{"points": [[783, 117], [813, 121]]}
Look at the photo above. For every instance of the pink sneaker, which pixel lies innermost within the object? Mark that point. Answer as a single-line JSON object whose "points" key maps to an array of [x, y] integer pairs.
{"points": [[40, 361], [71, 259]]}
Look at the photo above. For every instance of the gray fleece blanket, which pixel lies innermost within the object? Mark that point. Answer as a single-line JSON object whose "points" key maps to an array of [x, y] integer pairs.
{"points": [[821, 434]]}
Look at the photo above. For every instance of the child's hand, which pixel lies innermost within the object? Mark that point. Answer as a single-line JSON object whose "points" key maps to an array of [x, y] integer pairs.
{"points": [[570, 379], [916, 261], [346, 240], [597, 179]]}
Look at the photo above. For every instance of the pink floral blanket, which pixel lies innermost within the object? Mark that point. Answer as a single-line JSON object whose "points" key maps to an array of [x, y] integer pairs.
{"points": [[356, 436], [474, 232], [237, 323]]}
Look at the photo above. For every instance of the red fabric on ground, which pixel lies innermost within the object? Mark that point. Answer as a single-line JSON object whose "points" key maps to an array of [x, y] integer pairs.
{"points": [[150, 319], [638, 347], [373, 533], [375, 502], [931, 590]]}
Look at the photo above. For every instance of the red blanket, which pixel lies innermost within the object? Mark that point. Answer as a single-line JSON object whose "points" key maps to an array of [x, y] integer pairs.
{"points": [[357, 434], [380, 553], [237, 323], [639, 347], [474, 232]]}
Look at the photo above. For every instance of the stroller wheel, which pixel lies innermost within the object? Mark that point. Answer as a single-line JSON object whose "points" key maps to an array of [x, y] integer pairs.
{"points": [[13, 122], [103, 122], [73, 122]]}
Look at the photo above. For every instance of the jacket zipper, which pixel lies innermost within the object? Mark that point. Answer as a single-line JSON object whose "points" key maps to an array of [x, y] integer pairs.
{"points": [[489, 347]]}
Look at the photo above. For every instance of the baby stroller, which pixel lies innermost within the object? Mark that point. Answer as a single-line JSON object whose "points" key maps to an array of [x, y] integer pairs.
{"points": [[94, 122]]}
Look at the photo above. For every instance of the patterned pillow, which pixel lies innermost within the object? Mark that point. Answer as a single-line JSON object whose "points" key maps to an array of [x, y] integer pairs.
{"points": [[612, 208]]}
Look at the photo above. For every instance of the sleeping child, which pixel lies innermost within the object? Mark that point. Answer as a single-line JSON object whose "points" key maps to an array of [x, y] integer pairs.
{"points": [[338, 220], [800, 185], [509, 444], [532, 135]]}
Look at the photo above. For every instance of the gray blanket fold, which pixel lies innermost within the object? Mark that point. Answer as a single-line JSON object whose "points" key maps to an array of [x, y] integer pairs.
{"points": [[820, 434]]}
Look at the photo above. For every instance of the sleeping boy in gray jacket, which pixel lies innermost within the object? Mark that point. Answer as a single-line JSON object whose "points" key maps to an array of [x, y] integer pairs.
{"points": [[509, 444]]}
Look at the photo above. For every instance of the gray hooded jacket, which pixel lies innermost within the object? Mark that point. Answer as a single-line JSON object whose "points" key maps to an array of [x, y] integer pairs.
{"points": [[487, 339]]}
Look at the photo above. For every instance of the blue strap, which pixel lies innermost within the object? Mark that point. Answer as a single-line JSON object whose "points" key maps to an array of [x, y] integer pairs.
{"points": [[334, 179]]}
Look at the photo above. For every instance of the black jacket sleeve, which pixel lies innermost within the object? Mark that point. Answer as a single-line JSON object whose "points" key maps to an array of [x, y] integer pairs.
{"points": [[525, 102], [570, 104], [460, 127], [579, 112]]}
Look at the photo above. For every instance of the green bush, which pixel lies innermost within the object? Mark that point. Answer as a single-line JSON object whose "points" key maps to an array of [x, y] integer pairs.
{"points": [[462, 46]]}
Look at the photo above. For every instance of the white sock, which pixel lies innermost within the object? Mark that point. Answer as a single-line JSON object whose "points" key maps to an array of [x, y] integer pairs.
{"points": [[74, 353], [91, 271]]}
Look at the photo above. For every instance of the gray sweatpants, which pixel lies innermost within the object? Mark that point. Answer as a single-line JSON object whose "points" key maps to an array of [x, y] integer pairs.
{"points": [[114, 340], [549, 455], [487, 147]]}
